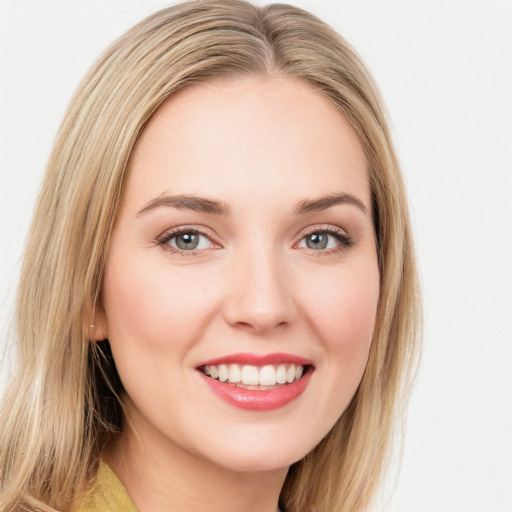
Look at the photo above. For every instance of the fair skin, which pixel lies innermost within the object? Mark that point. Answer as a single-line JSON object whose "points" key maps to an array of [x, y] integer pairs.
{"points": [[276, 260]]}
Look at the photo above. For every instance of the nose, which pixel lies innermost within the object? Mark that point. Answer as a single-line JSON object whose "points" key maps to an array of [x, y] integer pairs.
{"points": [[260, 296]]}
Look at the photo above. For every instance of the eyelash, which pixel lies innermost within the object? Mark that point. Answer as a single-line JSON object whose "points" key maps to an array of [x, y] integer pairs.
{"points": [[344, 239], [164, 240]]}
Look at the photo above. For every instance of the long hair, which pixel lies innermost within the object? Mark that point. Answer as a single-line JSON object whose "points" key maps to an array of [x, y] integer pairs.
{"points": [[62, 405]]}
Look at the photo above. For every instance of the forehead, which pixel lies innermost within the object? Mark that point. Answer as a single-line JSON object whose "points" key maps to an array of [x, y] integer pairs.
{"points": [[245, 137]]}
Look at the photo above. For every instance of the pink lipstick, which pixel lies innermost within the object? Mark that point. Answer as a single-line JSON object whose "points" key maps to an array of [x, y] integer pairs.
{"points": [[257, 382]]}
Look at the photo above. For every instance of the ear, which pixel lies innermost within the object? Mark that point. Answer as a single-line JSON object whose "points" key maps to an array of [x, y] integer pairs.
{"points": [[95, 323]]}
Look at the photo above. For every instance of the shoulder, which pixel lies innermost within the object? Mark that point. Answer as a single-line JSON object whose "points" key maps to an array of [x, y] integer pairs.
{"points": [[106, 495]]}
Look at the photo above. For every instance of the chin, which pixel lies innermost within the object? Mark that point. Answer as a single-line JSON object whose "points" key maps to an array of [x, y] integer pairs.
{"points": [[262, 452]]}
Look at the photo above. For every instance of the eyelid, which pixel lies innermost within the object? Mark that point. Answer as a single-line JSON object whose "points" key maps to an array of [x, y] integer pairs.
{"points": [[345, 240], [163, 239], [326, 228]]}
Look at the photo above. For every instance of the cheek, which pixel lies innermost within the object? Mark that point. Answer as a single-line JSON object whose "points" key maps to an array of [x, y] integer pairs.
{"points": [[348, 305], [343, 314], [152, 309]]}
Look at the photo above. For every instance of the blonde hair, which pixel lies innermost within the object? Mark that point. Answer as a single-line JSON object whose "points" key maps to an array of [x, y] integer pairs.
{"points": [[61, 407]]}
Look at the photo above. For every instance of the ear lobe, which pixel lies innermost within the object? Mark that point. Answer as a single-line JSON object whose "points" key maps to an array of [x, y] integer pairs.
{"points": [[97, 329]]}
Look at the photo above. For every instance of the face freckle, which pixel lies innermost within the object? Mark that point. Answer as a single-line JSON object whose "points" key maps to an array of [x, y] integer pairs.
{"points": [[213, 267]]}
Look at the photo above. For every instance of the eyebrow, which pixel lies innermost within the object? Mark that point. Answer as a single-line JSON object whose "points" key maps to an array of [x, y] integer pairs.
{"points": [[199, 204], [322, 203], [202, 204]]}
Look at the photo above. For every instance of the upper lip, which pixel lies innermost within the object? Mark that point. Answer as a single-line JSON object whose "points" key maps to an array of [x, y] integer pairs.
{"points": [[257, 359]]}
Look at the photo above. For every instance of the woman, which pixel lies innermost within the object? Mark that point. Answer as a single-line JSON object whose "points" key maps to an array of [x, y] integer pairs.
{"points": [[218, 305]]}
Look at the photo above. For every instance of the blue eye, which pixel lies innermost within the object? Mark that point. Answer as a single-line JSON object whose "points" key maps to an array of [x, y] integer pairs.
{"points": [[187, 241], [326, 240], [319, 241]]}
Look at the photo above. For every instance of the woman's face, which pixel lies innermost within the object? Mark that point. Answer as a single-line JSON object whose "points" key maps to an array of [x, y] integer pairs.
{"points": [[243, 256]]}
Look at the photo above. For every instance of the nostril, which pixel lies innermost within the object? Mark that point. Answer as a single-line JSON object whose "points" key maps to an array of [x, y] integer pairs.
{"points": [[260, 295], [243, 315], [260, 327]]}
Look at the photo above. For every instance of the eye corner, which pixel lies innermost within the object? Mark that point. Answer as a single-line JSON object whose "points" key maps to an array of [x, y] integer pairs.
{"points": [[326, 240], [196, 241]]}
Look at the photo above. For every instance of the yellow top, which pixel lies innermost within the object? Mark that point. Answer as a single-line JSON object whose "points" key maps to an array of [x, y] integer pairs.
{"points": [[107, 494]]}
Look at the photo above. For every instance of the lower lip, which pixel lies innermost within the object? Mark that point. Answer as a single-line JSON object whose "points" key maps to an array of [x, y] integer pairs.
{"points": [[259, 400]]}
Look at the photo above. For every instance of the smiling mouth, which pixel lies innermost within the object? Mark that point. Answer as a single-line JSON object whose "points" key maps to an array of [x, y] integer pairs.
{"points": [[257, 382], [252, 377]]}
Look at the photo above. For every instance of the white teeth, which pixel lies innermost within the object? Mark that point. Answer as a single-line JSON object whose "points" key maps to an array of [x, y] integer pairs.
{"points": [[267, 376], [235, 374], [281, 374], [290, 374], [223, 373], [249, 375]]}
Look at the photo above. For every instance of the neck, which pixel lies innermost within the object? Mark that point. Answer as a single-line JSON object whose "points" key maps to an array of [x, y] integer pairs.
{"points": [[161, 476]]}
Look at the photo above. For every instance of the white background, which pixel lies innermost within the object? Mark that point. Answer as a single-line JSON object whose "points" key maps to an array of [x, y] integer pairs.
{"points": [[444, 68]]}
